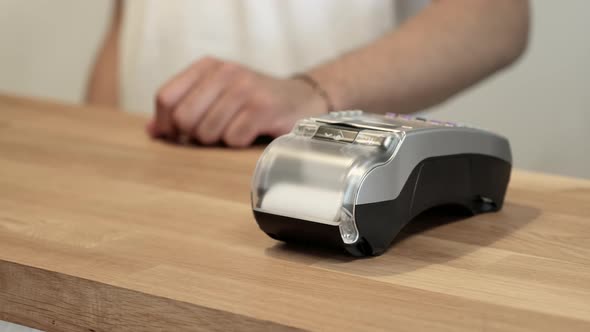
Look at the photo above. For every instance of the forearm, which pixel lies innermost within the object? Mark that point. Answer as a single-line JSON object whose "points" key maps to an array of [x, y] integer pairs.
{"points": [[103, 82], [449, 46]]}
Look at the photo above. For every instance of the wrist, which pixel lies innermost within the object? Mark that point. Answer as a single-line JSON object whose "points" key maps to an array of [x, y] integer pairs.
{"points": [[318, 90], [303, 99], [336, 85]]}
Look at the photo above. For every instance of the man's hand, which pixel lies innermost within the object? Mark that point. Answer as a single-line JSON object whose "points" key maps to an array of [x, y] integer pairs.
{"points": [[218, 101]]}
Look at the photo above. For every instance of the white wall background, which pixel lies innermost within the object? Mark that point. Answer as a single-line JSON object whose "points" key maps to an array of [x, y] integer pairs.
{"points": [[542, 104], [47, 46]]}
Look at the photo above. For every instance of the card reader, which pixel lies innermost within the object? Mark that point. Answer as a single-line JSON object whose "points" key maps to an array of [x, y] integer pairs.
{"points": [[355, 179]]}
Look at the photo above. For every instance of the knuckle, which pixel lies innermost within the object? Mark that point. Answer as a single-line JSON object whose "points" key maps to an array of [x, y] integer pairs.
{"points": [[164, 98], [230, 68], [207, 61]]}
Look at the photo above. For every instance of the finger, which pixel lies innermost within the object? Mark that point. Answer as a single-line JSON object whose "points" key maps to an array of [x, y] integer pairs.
{"points": [[221, 113], [172, 91], [242, 130], [163, 124], [150, 128], [175, 89], [193, 106]]}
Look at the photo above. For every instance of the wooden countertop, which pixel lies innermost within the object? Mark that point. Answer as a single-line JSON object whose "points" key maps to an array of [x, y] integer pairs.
{"points": [[103, 229]]}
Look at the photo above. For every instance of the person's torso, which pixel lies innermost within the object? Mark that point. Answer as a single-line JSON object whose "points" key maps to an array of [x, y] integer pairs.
{"points": [[161, 38]]}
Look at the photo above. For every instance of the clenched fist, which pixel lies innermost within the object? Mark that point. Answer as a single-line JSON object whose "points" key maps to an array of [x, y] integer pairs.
{"points": [[218, 101]]}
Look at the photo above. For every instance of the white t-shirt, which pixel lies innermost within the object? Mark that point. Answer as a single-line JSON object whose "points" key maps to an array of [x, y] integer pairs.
{"points": [[278, 37]]}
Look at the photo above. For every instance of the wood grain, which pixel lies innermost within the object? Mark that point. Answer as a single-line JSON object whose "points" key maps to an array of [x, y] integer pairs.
{"points": [[103, 229], [74, 304]]}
